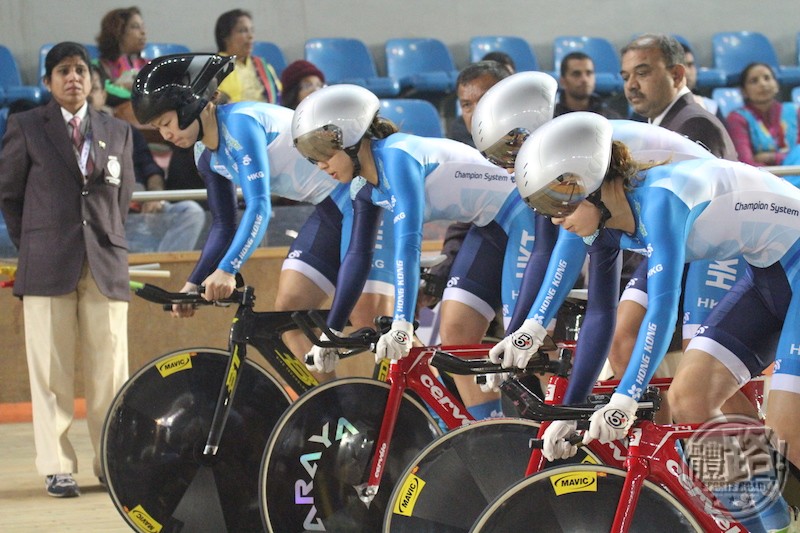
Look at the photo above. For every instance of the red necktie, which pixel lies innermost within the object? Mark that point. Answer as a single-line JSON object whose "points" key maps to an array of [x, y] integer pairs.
{"points": [[77, 141]]}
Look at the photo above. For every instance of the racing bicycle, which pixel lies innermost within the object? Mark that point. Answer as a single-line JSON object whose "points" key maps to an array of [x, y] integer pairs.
{"points": [[337, 452], [655, 490], [183, 439]]}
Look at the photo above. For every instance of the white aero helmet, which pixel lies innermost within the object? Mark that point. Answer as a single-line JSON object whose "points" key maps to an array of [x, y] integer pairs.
{"points": [[563, 162], [510, 111], [331, 119]]}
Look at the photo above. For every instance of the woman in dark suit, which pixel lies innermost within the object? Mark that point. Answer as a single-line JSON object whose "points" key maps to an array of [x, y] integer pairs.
{"points": [[66, 179]]}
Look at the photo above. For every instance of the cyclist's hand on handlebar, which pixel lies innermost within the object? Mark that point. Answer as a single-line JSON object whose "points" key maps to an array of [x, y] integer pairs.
{"points": [[185, 310], [612, 421], [219, 285], [325, 359], [556, 443], [517, 348], [493, 381], [395, 343]]}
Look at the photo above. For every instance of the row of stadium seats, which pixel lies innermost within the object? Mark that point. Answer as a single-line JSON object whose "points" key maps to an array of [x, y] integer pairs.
{"points": [[425, 65]]}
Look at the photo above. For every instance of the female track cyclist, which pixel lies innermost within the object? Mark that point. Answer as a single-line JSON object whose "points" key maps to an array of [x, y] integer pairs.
{"points": [[572, 171], [249, 144], [418, 180]]}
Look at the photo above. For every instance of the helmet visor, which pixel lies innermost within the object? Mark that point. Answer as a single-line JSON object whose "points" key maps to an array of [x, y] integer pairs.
{"points": [[560, 197], [504, 152], [320, 144]]}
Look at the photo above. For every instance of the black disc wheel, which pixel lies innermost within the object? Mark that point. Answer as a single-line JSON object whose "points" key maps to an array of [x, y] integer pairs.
{"points": [[156, 430], [445, 488], [578, 499], [321, 452]]}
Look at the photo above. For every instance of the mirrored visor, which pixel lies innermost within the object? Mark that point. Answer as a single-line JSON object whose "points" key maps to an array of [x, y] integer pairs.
{"points": [[504, 152], [560, 197], [320, 144]]}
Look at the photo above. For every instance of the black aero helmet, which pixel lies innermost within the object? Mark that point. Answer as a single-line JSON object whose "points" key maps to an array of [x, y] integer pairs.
{"points": [[180, 82]]}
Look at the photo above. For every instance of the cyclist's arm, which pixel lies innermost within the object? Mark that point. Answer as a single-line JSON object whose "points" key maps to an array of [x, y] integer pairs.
{"points": [[223, 206], [357, 261], [252, 172], [535, 270], [407, 178], [664, 218], [563, 271], [597, 330]]}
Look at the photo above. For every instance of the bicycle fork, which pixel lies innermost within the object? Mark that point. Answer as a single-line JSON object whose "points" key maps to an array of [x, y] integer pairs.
{"points": [[413, 373]]}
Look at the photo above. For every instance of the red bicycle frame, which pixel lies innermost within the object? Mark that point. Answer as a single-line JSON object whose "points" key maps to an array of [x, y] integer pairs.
{"points": [[414, 372], [652, 455]]}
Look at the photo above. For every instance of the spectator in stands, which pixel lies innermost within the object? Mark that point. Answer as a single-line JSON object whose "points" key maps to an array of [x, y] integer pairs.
{"points": [[577, 83], [121, 40], [765, 130], [66, 177], [502, 58], [655, 85], [472, 82], [299, 79], [709, 104], [155, 226], [253, 79]]}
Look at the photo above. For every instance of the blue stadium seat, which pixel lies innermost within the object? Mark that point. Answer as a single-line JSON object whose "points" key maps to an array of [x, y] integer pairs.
{"points": [[271, 53], [516, 47], [734, 50], [707, 78], [422, 65], [418, 117], [603, 54], [728, 98], [345, 60], [11, 81], [796, 96], [154, 50], [94, 53]]}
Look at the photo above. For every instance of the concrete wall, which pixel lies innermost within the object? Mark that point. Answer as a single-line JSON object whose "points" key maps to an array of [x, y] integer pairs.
{"points": [[26, 24]]}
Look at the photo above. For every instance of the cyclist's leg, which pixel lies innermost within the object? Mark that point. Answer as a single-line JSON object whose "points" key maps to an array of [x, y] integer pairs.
{"points": [[469, 303], [707, 282], [739, 335], [701, 385], [785, 386], [298, 291], [369, 306], [462, 324], [308, 275]]}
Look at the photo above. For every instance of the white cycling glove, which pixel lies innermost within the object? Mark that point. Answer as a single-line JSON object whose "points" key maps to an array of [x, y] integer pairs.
{"points": [[493, 381], [325, 359], [517, 348], [395, 343], [613, 420], [556, 445]]}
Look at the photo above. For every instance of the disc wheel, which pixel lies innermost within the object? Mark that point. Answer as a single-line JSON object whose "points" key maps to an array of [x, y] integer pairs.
{"points": [[445, 488], [580, 498], [155, 433], [321, 452]]}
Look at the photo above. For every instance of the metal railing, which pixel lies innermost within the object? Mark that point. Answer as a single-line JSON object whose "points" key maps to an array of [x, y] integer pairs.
{"points": [[201, 194]]}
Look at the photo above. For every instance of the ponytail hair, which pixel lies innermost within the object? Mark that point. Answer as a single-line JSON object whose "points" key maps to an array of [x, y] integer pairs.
{"points": [[624, 167], [381, 128]]}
